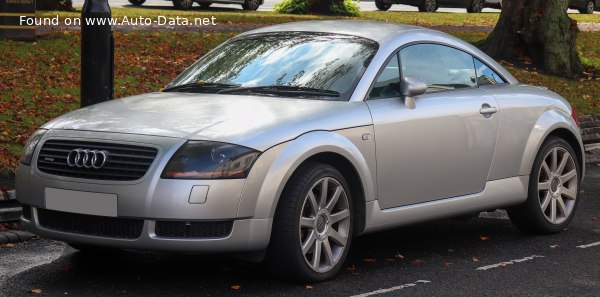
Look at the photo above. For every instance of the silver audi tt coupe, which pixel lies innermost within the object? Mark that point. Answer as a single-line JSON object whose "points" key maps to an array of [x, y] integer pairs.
{"points": [[286, 142]]}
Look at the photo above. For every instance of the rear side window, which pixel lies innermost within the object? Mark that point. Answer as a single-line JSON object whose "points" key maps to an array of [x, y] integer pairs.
{"points": [[387, 84], [486, 76], [441, 67]]}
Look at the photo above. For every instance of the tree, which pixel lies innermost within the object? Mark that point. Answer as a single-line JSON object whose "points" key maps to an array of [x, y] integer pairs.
{"points": [[54, 5], [539, 29]]}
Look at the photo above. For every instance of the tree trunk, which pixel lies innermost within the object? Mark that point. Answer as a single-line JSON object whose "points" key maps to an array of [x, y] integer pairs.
{"points": [[539, 29], [54, 5], [323, 6]]}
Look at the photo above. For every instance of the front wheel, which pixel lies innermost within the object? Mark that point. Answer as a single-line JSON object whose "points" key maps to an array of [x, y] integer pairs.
{"points": [[553, 190], [137, 2], [183, 4], [476, 6], [251, 4], [428, 6], [312, 227], [589, 8], [383, 5]]}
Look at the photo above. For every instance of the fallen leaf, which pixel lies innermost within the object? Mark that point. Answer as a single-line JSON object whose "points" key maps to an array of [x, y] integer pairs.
{"points": [[555, 246], [36, 291], [417, 261], [502, 265], [370, 261], [446, 265], [308, 287], [399, 256], [67, 267], [474, 259], [594, 218], [484, 237], [450, 250], [352, 269], [7, 245], [236, 287]]}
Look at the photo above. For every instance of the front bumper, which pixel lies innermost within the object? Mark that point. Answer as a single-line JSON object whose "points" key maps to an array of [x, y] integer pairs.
{"points": [[149, 199]]}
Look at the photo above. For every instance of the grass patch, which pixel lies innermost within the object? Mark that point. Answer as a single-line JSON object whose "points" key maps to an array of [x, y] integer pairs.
{"points": [[40, 80], [268, 17]]}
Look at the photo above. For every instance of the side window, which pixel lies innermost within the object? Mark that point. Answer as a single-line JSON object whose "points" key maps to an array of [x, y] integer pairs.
{"points": [[387, 84], [486, 76], [441, 67]]}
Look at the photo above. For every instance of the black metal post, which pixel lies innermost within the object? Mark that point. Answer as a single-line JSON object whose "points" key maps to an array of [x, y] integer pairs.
{"points": [[97, 53]]}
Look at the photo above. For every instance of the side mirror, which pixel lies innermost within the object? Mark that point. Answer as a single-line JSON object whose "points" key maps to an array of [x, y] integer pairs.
{"points": [[412, 87]]}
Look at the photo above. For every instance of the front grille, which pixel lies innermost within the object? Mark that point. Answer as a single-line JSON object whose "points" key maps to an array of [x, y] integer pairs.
{"points": [[90, 225], [178, 229], [124, 163]]}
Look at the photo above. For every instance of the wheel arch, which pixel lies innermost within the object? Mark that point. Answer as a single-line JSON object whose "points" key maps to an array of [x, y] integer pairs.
{"points": [[552, 123], [277, 165]]}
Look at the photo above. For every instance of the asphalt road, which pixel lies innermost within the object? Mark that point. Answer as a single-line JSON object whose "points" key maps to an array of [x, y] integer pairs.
{"points": [[443, 258]]}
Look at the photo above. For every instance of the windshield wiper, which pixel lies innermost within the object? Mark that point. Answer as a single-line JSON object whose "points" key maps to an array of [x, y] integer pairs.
{"points": [[200, 86], [283, 90]]}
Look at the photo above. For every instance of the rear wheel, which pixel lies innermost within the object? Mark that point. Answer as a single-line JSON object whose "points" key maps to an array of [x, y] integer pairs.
{"points": [[553, 190], [183, 4], [383, 5], [137, 2], [589, 8], [428, 6], [312, 227], [476, 6], [251, 5]]}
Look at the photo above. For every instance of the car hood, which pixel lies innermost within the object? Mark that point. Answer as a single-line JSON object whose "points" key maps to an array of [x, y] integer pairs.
{"points": [[252, 121]]}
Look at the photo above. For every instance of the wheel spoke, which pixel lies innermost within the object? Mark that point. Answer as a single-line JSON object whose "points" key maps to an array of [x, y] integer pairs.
{"points": [[328, 253], [324, 189], [562, 206], [338, 238], [553, 211], [546, 168], [307, 222], [544, 186], [340, 216], [546, 201], [316, 256], [308, 244], [563, 163], [569, 194], [554, 159], [313, 201], [569, 176], [334, 199]]}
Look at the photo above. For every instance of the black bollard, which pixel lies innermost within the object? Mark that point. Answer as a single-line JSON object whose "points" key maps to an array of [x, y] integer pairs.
{"points": [[97, 53]]}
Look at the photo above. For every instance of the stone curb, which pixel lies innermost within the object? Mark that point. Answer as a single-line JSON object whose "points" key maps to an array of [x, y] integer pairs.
{"points": [[14, 236]]}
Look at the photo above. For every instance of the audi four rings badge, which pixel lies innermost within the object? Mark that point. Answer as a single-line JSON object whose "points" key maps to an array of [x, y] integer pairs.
{"points": [[87, 158]]}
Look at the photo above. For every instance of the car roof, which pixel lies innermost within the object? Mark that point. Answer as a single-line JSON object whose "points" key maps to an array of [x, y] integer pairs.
{"points": [[374, 30]]}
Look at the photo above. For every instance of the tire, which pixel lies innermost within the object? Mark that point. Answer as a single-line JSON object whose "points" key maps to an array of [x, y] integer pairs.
{"points": [[137, 2], [326, 228], [428, 6], [476, 6], [205, 5], [183, 4], [562, 182], [251, 5], [383, 5], [589, 8]]}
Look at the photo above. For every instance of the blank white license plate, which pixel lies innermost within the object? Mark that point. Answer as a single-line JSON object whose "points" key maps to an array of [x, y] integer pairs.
{"points": [[99, 204]]}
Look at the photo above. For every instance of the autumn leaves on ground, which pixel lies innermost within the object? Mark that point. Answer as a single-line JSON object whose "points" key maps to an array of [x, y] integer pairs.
{"points": [[40, 80]]}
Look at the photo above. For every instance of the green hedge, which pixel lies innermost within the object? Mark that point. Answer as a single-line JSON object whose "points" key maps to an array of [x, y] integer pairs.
{"points": [[335, 7]]}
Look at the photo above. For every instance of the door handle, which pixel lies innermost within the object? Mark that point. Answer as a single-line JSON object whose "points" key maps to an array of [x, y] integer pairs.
{"points": [[486, 109]]}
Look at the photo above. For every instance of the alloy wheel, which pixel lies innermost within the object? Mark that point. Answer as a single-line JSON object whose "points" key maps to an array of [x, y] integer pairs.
{"points": [[590, 7], [324, 224], [477, 6], [430, 5], [557, 185]]}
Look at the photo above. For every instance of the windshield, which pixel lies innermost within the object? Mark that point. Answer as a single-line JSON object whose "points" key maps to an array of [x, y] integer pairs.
{"points": [[319, 63]]}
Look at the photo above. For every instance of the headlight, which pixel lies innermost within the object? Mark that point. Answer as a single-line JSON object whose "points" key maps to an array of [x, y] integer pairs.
{"points": [[210, 160], [30, 146]]}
